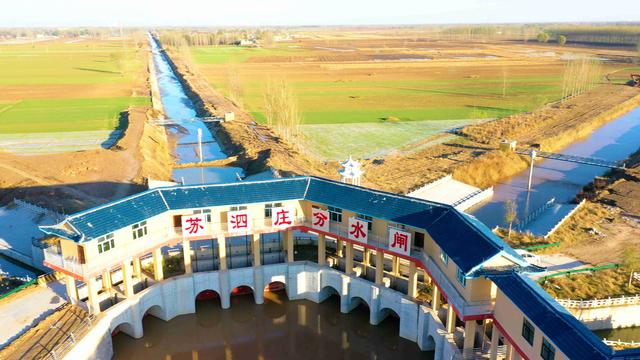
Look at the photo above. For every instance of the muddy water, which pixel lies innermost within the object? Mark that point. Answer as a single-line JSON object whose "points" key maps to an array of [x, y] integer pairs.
{"points": [[278, 329], [626, 335]]}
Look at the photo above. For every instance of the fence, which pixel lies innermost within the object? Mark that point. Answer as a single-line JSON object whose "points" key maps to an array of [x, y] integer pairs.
{"points": [[542, 246], [71, 338], [621, 343], [589, 304], [534, 215], [569, 272], [39, 209], [19, 288]]}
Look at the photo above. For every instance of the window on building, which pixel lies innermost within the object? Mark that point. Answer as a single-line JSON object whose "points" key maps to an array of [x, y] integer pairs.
{"points": [[548, 351], [268, 208], [418, 240], [139, 230], [397, 226], [105, 243], [368, 219], [335, 214], [237, 208], [461, 277], [206, 212], [527, 331], [444, 257]]}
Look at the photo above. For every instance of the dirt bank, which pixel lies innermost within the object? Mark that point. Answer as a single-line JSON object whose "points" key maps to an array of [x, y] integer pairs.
{"points": [[71, 181], [256, 146]]}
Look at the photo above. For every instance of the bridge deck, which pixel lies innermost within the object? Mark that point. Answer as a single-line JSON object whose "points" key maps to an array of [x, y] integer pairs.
{"points": [[575, 159]]}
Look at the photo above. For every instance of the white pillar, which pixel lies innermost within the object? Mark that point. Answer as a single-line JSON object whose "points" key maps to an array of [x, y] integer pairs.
{"points": [[127, 281], [451, 319], [412, 290], [72, 289], [366, 257], [348, 267], [158, 273], [379, 267], [495, 341], [288, 234], [186, 253], [395, 265], [435, 301], [106, 280], [339, 247], [255, 249], [222, 252], [322, 250], [94, 302], [469, 335], [137, 267]]}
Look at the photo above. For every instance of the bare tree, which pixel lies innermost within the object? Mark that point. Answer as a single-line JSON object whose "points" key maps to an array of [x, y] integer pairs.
{"points": [[631, 262], [580, 75], [510, 214], [281, 109], [562, 39], [234, 85]]}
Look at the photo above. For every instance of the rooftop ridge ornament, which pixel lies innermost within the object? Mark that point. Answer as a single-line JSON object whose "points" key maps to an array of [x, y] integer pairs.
{"points": [[351, 172]]}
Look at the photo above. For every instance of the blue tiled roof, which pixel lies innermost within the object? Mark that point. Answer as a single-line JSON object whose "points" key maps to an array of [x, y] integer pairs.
{"points": [[235, 193], [467, 242], [564, 330], [110, 217]]}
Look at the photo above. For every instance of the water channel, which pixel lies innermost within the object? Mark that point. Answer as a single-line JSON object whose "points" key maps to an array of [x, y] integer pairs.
{"points": [[277, 329], [562, 180]]}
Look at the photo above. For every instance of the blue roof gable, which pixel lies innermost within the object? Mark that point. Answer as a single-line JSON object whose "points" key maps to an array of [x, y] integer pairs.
{"points": [[113, 216], [566, 332]]}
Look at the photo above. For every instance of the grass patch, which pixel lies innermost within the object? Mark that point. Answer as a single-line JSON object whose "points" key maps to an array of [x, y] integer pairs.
{"points": [[62, 115], [366, 140], [587, 286]]}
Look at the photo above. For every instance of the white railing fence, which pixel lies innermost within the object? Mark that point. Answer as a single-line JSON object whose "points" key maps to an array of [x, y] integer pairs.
{"points": [[588, 304]]}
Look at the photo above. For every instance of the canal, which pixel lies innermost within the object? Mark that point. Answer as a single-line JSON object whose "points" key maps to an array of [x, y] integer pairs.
{"points": [[561, 180], [278, 329]]}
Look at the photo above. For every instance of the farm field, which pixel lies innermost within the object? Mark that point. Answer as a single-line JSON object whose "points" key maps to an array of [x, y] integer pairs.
{"points": [[61, 86], [348, 84]]}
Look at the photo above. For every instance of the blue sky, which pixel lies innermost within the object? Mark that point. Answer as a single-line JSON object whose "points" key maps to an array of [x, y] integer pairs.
{"points": [[15, 13]]}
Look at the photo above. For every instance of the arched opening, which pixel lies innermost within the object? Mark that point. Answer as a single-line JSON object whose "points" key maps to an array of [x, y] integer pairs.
{"points": [[328, 292], [242, 304], [155, 311], [430, 344], [357, 302], [208, 308], [124, 328], [275, 298], [390, 320]]}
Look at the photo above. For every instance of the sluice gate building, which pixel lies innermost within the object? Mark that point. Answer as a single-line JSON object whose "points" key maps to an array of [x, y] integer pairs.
{"points": [[367, 246]]}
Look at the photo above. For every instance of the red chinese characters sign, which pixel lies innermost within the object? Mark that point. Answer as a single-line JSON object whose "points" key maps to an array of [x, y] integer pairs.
{"points": [[358, 230], [320, 219], [282, 217], [399, 241], [194, 225], [238, 221]]}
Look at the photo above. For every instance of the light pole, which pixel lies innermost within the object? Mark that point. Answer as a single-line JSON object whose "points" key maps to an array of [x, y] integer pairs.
{"points": [[200, 144], [533, 158]]}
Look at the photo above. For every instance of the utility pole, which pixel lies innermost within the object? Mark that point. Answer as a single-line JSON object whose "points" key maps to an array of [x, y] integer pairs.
{"points": [[200, 144], [533, 158]]}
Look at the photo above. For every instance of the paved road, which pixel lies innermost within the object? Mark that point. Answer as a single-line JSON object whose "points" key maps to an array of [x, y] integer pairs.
{"points": [[22, 310]]}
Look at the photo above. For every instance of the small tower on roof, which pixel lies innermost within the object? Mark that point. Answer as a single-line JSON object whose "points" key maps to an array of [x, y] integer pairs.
{"points": [[351, 172]]}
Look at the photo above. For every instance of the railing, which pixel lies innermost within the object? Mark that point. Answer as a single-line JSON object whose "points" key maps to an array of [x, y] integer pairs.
{"points": [[62, 348], [588, 304], [534, 215], [142, 245], [621, 343]]}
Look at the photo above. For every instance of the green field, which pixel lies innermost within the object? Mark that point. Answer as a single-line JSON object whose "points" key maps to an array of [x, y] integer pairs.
{"points": [[347, 88], [59, 86], [62, 115]]}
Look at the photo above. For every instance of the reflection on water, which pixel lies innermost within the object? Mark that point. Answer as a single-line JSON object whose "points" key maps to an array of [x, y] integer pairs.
{"points": [[278, 329], [563, 180], [626, 335]]}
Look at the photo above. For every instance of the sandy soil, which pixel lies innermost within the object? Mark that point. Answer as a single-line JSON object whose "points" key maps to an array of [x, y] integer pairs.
{"points": [[72, 181]]}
